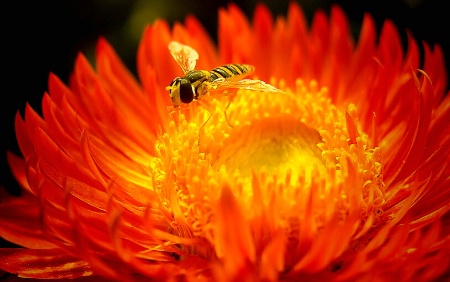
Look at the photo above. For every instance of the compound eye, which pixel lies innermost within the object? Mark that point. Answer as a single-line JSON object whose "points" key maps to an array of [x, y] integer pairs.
{"points": [[186, 91]]}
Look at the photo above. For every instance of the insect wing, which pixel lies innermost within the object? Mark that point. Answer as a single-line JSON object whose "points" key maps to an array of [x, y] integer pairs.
{"points": [[249, 84], [185, 56]]}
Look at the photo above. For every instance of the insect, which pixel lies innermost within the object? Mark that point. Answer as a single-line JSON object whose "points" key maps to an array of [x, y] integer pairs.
{"points": [[196, 84]]}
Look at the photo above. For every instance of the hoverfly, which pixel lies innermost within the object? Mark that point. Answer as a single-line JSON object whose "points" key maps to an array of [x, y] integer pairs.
{"points": [[196, 84]]}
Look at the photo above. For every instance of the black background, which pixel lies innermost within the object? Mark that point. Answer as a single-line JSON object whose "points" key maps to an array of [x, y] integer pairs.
{"points": [[40, 37]]}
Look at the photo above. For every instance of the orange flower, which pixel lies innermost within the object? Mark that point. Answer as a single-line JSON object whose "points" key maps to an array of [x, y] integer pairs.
{"points": [[344, 176]]}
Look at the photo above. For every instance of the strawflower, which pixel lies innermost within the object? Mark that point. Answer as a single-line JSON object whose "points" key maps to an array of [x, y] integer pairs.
{"points": [[344, 176]]}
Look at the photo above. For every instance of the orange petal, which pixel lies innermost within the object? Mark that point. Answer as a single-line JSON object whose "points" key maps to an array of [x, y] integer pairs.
{"points": [[43, 264], [23, 227]]}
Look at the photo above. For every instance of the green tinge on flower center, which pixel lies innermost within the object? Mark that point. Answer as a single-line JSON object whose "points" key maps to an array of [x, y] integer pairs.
{"points": [[274, 144]]}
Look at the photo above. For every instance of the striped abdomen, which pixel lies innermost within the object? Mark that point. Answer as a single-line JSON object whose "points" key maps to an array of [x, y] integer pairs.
{"points": [[231, 72]]}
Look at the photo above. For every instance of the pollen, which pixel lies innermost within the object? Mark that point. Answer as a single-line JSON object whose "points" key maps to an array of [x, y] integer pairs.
{"points": [[293, 155]]}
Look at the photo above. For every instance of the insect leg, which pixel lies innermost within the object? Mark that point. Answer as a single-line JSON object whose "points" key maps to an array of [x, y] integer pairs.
{"points": [[205, 105], [225, 111], [171, 110]]}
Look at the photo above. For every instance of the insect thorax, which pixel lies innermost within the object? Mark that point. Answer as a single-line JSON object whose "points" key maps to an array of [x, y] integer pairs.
{"points": [[200, 82]]}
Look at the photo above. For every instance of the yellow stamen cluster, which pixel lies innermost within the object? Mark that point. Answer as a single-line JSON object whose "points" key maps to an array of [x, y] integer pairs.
{"points": [[294, 162]]}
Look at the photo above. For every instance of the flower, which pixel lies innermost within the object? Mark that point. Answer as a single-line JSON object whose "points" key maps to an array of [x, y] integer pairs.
{"points": [[343, 176]]}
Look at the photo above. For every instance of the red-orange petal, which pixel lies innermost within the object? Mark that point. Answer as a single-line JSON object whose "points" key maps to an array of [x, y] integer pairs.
{"points": [[42, 264]]}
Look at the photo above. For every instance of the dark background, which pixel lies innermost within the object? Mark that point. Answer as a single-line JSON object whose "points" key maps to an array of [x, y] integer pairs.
{"points": [[39, 37]]}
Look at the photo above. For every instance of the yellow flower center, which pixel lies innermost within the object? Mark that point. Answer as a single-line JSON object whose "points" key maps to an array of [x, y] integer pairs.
{"points": [[275, 144], [295, 156]]}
